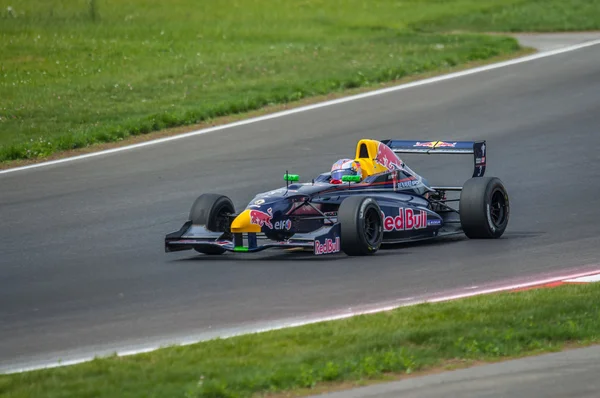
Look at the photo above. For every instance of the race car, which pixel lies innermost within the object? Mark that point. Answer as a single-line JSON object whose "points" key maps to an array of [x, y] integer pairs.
{"points": [[361, 204]]}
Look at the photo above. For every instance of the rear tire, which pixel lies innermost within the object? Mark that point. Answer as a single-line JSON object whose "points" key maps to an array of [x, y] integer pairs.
{"points": [[484, 208], [212, 210], [361, 226]]}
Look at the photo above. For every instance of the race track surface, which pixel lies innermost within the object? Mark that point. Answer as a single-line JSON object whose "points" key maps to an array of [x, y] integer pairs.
{"points": [[82, 265]]}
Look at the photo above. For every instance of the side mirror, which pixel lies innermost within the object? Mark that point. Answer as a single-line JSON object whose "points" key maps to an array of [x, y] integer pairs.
{"points": [[291, 177], [350, 178]]}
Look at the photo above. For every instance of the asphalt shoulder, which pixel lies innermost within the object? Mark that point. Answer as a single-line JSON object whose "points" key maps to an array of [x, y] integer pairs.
{"points": [[571, 373], [553, 41]]}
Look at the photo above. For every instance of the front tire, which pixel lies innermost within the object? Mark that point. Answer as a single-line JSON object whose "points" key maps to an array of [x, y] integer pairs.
{"points": [[361, 226], [212, 211], [484, 208]]}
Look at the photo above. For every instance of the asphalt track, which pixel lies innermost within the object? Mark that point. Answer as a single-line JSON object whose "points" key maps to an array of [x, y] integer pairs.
{"points": [[571, 374], [82, 266]]}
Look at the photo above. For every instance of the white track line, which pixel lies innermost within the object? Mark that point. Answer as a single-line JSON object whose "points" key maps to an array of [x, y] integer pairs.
{"points": [[585, 279], [315, 106], [578, 276]]}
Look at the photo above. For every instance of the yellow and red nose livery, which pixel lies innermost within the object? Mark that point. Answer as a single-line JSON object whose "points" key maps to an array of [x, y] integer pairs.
{"points": [[244, 222], [253, 220]]}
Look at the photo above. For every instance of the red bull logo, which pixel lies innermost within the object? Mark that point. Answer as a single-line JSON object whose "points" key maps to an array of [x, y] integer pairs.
{"points": [[435, 144], [328, 246], [407, 219], [387, 158], [429, 144], [442, 144], [261, 218]]}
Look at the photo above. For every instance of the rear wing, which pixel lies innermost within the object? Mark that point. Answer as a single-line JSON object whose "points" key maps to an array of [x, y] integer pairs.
{"points": [[477, 148]]}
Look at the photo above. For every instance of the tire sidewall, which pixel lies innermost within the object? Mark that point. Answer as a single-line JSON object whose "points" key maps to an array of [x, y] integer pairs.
{"points": [[223, 204], [496, 186], [351, 216], [366, 205], [205, 211], [476, 205]]}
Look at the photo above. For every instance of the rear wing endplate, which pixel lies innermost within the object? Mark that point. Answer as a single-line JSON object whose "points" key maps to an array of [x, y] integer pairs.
{"points": [[477, 148]]}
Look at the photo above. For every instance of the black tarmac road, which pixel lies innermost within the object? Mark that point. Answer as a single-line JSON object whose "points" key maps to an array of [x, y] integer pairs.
{"points": [[82, 266]]}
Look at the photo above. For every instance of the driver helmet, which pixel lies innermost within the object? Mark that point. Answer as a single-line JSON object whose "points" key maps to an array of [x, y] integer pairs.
{"points": [[344, 167]]}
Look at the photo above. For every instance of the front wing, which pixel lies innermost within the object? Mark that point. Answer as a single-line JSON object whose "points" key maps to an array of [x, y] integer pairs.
{"points": [[325, 240]]}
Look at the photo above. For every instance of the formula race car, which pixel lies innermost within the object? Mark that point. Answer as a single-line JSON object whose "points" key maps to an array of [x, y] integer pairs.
{"points": [[361, 204]]}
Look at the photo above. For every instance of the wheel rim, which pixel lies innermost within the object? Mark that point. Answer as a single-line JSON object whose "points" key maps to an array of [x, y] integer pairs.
{"points": [[372, 227], [498, 208], [222, 219]]}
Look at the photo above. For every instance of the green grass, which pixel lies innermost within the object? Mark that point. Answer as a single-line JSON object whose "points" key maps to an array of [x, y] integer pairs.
{"points": [[523, 15], [406, 340], [70, 77]]}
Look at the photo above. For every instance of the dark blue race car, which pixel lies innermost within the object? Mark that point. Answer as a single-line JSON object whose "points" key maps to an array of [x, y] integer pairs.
{"points": [[361, 204]]}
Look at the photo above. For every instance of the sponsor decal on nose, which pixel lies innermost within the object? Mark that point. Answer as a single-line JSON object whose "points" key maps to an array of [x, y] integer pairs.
{"points": [[261, 218]]}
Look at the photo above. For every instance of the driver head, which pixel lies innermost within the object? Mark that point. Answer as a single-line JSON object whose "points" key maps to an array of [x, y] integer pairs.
{"points": [[344, 167]]}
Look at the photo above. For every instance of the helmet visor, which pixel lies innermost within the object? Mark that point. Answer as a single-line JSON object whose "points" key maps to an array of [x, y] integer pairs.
{"points": [[338, 174]]}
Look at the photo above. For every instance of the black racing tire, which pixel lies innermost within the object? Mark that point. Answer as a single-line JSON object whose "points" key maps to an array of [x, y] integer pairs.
{"points": [[212, 210], [361, 226], [484, 208]]}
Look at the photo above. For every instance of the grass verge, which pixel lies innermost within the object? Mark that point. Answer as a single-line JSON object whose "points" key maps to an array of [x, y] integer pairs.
{"points": [[72, 75], [337, 354], [268, 109]]}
